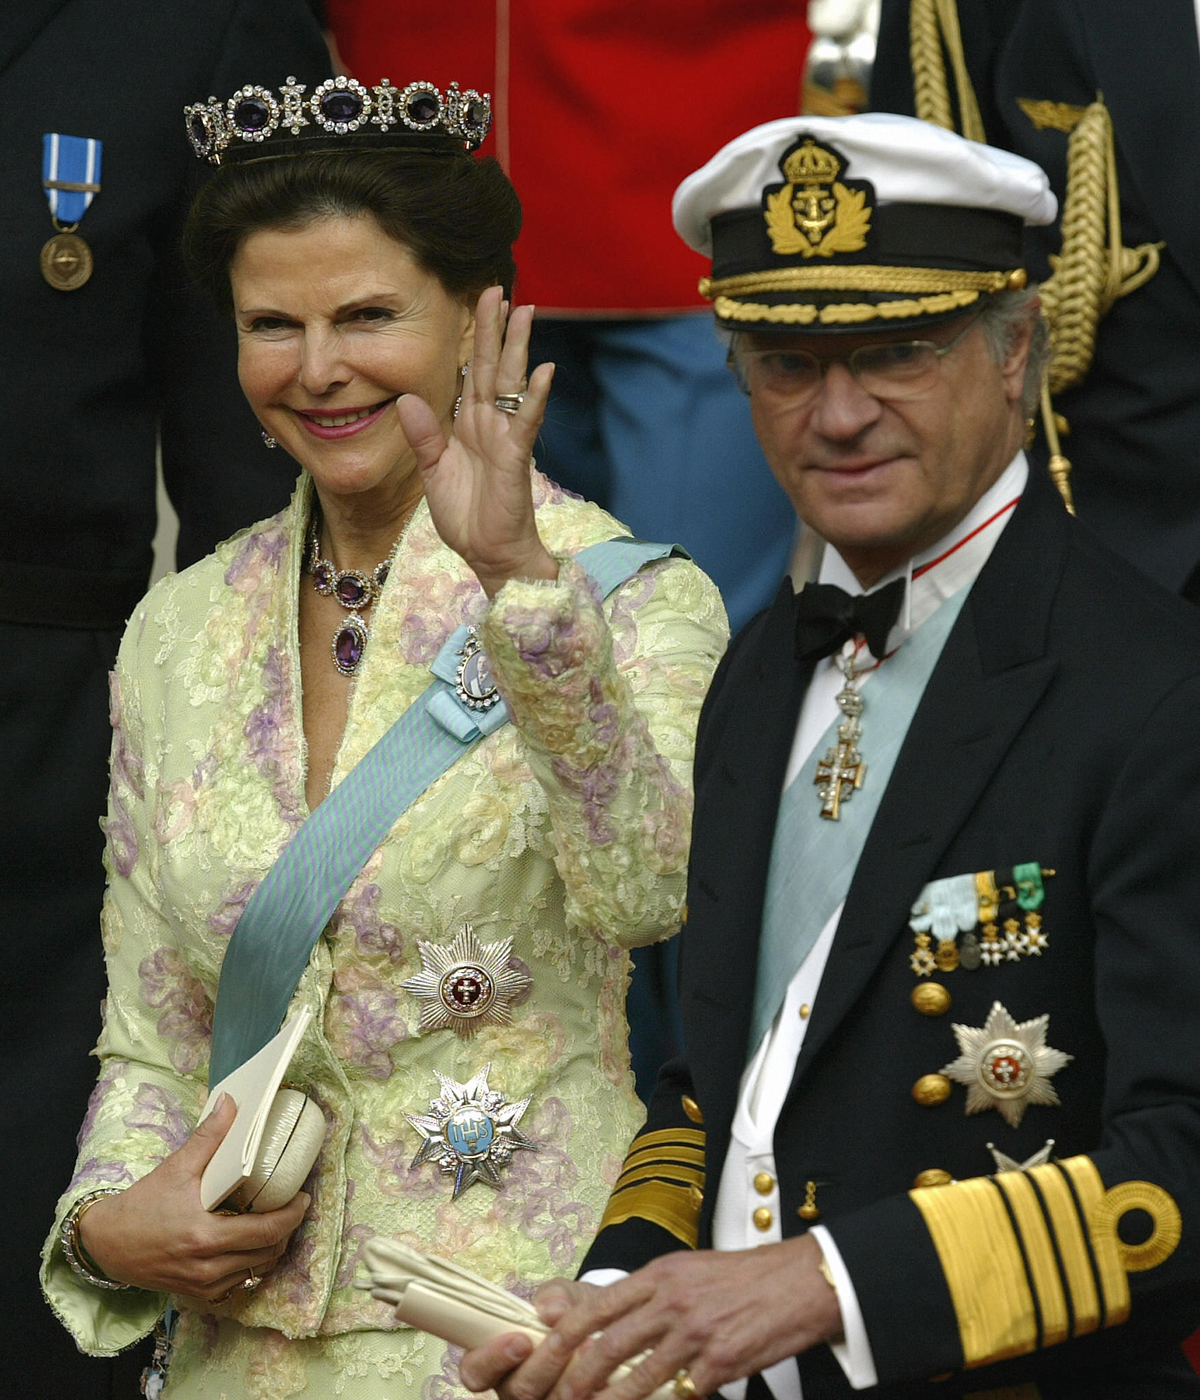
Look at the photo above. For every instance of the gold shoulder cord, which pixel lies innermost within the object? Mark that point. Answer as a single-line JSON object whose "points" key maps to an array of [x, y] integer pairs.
{"points": [[1093, 269], [931, 24]]}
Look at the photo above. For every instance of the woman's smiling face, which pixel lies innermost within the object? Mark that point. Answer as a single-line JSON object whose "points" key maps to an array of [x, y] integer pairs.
{"points": [[335, 320]]}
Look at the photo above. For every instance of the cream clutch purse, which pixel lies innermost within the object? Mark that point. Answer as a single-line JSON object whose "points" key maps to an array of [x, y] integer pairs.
{"points": [[440, 1297], [291, 1142], [276, 1137]]}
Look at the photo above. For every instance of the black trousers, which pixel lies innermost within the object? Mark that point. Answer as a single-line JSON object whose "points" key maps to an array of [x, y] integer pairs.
{"points": [[54, 743]]}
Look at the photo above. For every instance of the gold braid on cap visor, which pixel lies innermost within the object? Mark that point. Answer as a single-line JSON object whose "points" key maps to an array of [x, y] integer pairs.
{"points": [[861, 277], [947, 290], [841, 313]]}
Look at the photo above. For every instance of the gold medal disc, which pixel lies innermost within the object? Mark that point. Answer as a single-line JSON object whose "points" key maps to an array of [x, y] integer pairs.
{"points": [[66, 262]]}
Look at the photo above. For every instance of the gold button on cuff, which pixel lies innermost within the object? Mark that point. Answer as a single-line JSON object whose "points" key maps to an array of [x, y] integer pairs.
{"points": [[692, 1109], [804, 1010], [932, 1176], [764, 1183], [930, 999], [763, 1218], [931, 1090]]}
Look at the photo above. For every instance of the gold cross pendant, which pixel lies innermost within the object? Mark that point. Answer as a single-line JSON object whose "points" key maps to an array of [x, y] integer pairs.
{"points": [[840, 772]]}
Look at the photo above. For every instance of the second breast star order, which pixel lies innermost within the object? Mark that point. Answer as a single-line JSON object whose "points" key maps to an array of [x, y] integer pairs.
{"points": [[467, 984]]}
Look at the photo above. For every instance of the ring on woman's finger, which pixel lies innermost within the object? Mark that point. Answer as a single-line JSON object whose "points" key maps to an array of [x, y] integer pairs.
{"points": [[683, 1386], [509, 403], [252, 1281]]}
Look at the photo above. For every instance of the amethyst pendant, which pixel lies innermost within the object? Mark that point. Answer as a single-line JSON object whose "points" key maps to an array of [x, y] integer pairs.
{"points": [[349, 642]]}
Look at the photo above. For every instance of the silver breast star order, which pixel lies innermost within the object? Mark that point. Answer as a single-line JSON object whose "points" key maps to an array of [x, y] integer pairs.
{"points": [[1006, 1065], [470, 1131], [467, 984]]}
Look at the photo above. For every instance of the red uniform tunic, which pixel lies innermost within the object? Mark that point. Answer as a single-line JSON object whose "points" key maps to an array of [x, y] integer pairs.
{"points": [[601, 108]]}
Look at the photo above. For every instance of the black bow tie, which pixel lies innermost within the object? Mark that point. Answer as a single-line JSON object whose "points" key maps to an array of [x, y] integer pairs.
{"points": [[827, 617]]}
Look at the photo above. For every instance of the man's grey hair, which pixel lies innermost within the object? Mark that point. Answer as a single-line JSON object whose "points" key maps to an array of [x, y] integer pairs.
{"points": [[1003, 320]]}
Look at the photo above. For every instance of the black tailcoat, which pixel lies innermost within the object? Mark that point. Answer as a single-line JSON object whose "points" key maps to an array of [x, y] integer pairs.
{"points": [[1059, 726], [87, 380], [1135, 421]]}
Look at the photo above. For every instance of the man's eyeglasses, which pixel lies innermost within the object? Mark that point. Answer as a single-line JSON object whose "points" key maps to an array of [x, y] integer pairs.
{"points": [[892, 370]]}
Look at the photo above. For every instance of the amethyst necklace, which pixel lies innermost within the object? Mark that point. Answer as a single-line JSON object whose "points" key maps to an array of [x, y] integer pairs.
{"points": [[354, 590]]}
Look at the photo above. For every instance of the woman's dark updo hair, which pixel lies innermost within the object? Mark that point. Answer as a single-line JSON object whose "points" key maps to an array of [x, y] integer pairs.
{"points": [[457, 216]]}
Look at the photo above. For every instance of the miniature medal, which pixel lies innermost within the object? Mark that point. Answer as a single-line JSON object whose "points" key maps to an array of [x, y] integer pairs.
{"points": [[842, 770], [470, 1131], [467, 984], [66, 262], [1006, 1065], [71, 179], [970, 955]]}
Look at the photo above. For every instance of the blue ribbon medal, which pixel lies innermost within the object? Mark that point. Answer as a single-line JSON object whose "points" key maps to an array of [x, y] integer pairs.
{"points": [[71, 179]]}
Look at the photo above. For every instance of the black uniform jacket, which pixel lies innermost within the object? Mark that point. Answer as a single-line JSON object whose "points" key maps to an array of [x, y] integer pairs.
{"points": [[89, 377], [1061, 725], [1135, 421]]}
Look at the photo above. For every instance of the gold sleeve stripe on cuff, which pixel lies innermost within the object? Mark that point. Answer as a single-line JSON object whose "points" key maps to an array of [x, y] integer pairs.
{"points": [[694, 1156], [1033, 1258], [674, 1208], [855, 277], [985, 1273], [667, 1171], [840, 313], [1089, 1192], [687, 1137], [1043, 1269], [1078, 1272]]}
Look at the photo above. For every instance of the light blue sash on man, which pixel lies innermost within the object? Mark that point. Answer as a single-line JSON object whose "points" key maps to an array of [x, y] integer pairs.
{"points": [[812, 859], [274, 938]]}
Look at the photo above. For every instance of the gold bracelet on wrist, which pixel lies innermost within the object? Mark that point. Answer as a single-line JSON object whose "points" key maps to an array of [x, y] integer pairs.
{"points": [[73, 1250]]}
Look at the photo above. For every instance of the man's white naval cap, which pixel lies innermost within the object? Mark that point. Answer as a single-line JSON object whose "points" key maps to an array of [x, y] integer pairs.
{"points": [[836, 223]]}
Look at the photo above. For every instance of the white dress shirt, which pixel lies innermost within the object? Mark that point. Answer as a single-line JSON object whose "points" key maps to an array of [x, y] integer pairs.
{"points": [[932, 577]]}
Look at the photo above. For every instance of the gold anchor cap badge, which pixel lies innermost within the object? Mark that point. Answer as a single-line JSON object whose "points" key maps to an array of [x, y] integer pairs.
{"points": [[814, 213]]}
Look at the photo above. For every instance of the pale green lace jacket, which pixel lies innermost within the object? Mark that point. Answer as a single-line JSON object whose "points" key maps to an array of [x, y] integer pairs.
{"points": [[567, 830]]}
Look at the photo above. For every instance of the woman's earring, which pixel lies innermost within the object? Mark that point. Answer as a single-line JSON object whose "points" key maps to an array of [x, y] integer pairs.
{"points": [[462, 369], [268, 440]]}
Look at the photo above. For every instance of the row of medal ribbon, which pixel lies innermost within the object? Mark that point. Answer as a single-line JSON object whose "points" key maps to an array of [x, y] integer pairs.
{"points": [[996, 912]]}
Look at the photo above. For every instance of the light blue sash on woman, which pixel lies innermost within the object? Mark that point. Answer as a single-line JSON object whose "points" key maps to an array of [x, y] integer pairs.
{"points": [[274, 938]]}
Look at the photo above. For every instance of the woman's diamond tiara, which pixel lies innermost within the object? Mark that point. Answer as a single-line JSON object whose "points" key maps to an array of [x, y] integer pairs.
{"points": [[336, 107]]}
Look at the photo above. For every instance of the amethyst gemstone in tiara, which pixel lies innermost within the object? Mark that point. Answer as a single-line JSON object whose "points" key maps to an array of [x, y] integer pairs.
{"points": [[198, 130], [251, 114], [478, 113], [341, 106], [423, 107]]}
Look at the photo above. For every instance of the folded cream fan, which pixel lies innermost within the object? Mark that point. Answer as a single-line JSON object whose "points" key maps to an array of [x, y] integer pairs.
{"points": [[440, 1297]]}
